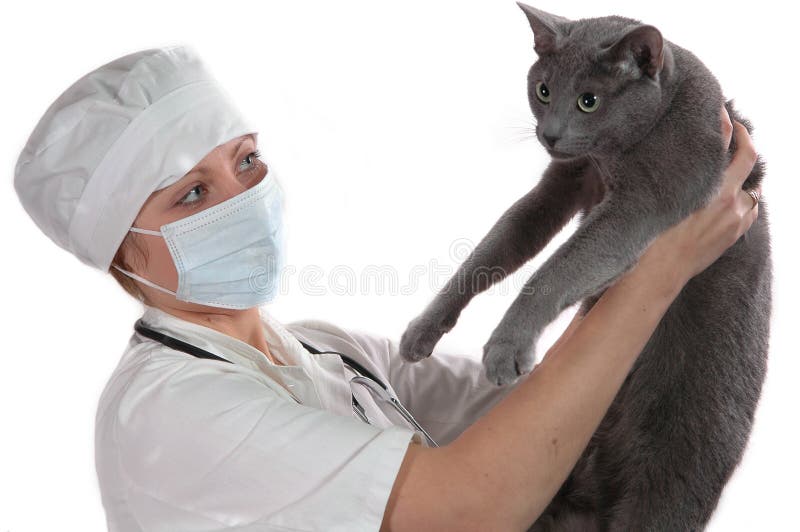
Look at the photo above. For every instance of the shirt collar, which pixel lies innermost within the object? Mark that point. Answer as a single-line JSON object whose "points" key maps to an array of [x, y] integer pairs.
{"points": [[301, 364], [282, 344]]}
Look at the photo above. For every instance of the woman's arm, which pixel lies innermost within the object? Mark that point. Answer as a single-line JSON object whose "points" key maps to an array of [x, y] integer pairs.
{"points": [[509, 464], [502, 471]]}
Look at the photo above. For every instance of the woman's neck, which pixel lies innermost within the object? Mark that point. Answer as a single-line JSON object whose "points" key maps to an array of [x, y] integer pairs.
{"points": [[244, 325]]}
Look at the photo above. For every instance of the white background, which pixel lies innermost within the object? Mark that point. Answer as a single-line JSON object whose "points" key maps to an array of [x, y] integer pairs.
{"points": [[399, 131]]}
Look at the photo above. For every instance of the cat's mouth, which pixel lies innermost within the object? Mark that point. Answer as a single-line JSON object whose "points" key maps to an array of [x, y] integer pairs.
{"points": [[560, 154]]}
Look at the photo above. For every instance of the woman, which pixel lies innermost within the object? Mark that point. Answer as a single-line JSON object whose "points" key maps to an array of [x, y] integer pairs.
{"points": [[219, 417]]}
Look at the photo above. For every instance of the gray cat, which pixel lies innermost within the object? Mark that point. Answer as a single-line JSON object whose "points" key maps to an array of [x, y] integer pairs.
{"points": [[631, 121]]}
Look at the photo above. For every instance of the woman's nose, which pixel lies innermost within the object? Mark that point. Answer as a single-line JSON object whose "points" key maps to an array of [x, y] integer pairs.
{"points": [[229, 185]]}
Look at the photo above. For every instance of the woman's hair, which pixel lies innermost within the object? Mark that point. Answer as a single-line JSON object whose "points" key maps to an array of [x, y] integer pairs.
{"points": [[130, 256]]}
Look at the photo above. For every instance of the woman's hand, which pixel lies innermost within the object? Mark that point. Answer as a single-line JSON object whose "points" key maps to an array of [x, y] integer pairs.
{"points": [[698, 240]]}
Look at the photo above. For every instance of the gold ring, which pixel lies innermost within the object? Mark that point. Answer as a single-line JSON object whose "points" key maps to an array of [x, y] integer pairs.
{"points": [[753, 194]]}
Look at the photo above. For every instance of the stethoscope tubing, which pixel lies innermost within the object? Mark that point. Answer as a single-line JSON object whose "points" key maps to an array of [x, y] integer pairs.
{"points": [[363, 376]]}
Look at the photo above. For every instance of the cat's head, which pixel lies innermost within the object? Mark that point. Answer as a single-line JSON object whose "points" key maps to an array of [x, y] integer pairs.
{"points": [[596, 87]]}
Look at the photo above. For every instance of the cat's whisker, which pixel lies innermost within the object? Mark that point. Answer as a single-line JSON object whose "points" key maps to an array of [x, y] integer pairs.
{"points": [[522, 137], [522, 133]]}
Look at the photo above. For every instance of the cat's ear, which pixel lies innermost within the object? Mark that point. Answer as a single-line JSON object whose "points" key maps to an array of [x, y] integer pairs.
{"points": [[548, 29], [640, 51]]}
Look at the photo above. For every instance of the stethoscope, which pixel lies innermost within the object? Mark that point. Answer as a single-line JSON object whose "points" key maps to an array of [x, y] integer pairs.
{"points": [[364, 377]]}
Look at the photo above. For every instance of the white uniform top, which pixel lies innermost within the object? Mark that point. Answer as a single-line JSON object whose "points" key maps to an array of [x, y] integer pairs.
{"points": [[185, 443]]}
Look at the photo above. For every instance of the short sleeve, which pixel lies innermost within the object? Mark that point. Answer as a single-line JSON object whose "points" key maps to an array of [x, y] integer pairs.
{"points": [[207, 445], [445, 392]]}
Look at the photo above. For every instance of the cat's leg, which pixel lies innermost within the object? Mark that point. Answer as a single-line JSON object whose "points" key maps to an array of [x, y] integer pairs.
{"points": [[692, 396], [574, 507], [673, 472], [565, 514], [568, 522], [609, 241], [520, 233]]}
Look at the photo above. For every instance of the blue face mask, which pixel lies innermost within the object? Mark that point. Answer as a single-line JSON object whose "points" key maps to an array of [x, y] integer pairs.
{"points": [[229, 255]]}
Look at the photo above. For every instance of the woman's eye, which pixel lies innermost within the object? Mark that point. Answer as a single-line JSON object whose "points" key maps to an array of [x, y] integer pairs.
{"points": [[542, 92], [250, 160], [588, 102], [197, 194], [191, 196]]}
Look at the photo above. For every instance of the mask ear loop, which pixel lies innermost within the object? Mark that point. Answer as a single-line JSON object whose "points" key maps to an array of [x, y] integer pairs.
{"points": [[145, 281], [142, 279], [145, 231]]}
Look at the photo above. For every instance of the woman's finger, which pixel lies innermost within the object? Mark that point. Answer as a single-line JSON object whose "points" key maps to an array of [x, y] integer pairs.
{"points": [[727, 128], [744, 158]]}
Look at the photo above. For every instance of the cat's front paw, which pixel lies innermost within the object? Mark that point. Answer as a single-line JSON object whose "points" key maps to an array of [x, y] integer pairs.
{"points": [[506, 359], [419, 338]]}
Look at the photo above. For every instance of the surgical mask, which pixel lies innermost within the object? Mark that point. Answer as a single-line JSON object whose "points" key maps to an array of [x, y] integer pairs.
{"points": [[229, 255]]}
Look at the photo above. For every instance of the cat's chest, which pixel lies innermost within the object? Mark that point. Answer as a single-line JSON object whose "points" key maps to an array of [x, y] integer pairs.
{"points": [[593, 186]]}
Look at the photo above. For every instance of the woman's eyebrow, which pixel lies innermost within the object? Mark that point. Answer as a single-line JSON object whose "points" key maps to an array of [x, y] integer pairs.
{"points": [[201, 169], [242, 141]]}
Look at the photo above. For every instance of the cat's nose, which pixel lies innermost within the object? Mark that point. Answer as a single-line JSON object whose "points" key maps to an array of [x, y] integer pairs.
{"points": [[550, 139]]}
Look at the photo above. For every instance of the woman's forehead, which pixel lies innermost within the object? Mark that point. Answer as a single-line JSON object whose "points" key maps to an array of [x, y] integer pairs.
{"points": [[229, 149]]}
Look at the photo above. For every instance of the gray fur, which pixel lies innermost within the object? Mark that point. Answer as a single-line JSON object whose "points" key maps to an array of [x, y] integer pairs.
{"points": [[650, 154]]}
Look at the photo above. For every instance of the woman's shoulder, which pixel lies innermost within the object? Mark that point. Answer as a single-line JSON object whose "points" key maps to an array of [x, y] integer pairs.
{"points": [[326, 335]]}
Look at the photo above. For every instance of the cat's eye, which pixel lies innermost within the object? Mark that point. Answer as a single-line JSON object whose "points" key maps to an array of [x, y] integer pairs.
{"points": [[542, 92], [588, 102]]}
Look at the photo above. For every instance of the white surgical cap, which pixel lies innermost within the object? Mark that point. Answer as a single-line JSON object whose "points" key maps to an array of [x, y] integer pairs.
{"points": [[128, 128]]}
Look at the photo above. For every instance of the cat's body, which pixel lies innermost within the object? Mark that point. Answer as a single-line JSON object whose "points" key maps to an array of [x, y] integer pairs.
{"points": [[680, 423]]}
